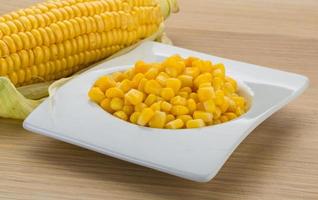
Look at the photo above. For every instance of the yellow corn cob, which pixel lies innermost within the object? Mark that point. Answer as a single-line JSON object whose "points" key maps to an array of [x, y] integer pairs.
{"points": [[55, 39]]}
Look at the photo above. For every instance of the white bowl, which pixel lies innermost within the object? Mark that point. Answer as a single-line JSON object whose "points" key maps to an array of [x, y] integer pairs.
{"points": [[195, 154]]}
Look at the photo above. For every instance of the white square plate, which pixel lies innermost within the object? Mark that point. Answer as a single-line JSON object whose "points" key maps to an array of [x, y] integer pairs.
{"points": [[195, 154]]}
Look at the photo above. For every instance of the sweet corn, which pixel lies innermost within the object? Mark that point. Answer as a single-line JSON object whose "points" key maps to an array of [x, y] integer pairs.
{"points": [[145, 116], [152, 87], [169, 95], [179, 110], [105, 82], [151, 98], [121, 115], [174, 84], [116, 104], [96, 94], [114, 92], [184, 118], [205, 116], [195, 123], [205, 93], [134, 117], [178, 100], [158, 120], [134, 96], [165, 106], [175, 124]]}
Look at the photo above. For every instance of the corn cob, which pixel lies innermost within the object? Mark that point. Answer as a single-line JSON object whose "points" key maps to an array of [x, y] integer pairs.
{"points": [[55, 39]]}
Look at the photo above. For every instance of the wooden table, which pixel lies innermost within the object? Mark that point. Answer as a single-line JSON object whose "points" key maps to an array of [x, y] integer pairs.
{"points": [[279, 160]]}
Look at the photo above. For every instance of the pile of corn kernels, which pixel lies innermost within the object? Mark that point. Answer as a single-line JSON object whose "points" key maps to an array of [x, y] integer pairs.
{"points": [[177, 93]]}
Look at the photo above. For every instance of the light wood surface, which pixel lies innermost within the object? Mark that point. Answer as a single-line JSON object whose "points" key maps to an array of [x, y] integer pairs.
{"points": [[279, 160]]}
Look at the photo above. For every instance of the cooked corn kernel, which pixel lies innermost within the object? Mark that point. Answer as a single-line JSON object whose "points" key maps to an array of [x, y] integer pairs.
{"points": [[179, 110], [205, 116], [175, 124], [158, 120], [173, 83], [134, 96], [179, 93], [178, 100], [114, 92], [145, 116], [96, 94], [184, 118], [195, 123], [167, 93], [116, 103], [165, 106], [151, 98], [121, 115]]}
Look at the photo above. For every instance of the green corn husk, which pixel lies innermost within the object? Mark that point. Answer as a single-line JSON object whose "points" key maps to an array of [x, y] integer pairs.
{"points": [[18, 103]]}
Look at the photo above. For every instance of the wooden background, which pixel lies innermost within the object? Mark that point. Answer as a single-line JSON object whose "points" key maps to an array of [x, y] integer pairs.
{"points": [[279, 160]]}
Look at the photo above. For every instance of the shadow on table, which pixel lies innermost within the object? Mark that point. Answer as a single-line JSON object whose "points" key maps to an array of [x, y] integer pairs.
{"points": [[242, 166]]}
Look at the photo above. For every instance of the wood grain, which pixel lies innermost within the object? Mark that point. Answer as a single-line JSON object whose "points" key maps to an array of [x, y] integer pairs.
{"points": [[279, 160]]}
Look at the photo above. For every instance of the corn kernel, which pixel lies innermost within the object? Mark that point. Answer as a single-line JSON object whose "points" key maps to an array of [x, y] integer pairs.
{"points": [[121, 115], [200, 106], [141, 67], [228, 88], [206, 93], [151, 98], [134, 96], [141, 85], [170, 118], [194, 96], [232, 82], [152, 87], [139, 107], [104, 83], [128, 109], [151, 73], [184, 118], [191, 105], [105, 104], [119, 76], [125, 85], [232, 104], [179, 110], [96, 94], [186, 80], [192, 71], [217, 83], [205, 85], [239, 111], [224, 118], [116, 103], [220, 66], [178, 100], [183, 94], [218, 73], [145, 116], [224, 106], [206, 66], [162, 78], [195, 123], [173, 66], [230, 115], [155, 106], [186, 89], [136, 79], [158, 120], [188, 61], [239, 101], [217, 113], [202, 78], [167, 93], [114, 92], [205, 116], [209, 105], [219, 97], [175, 124], [134, 117], [173, 83], [165, 106]]}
